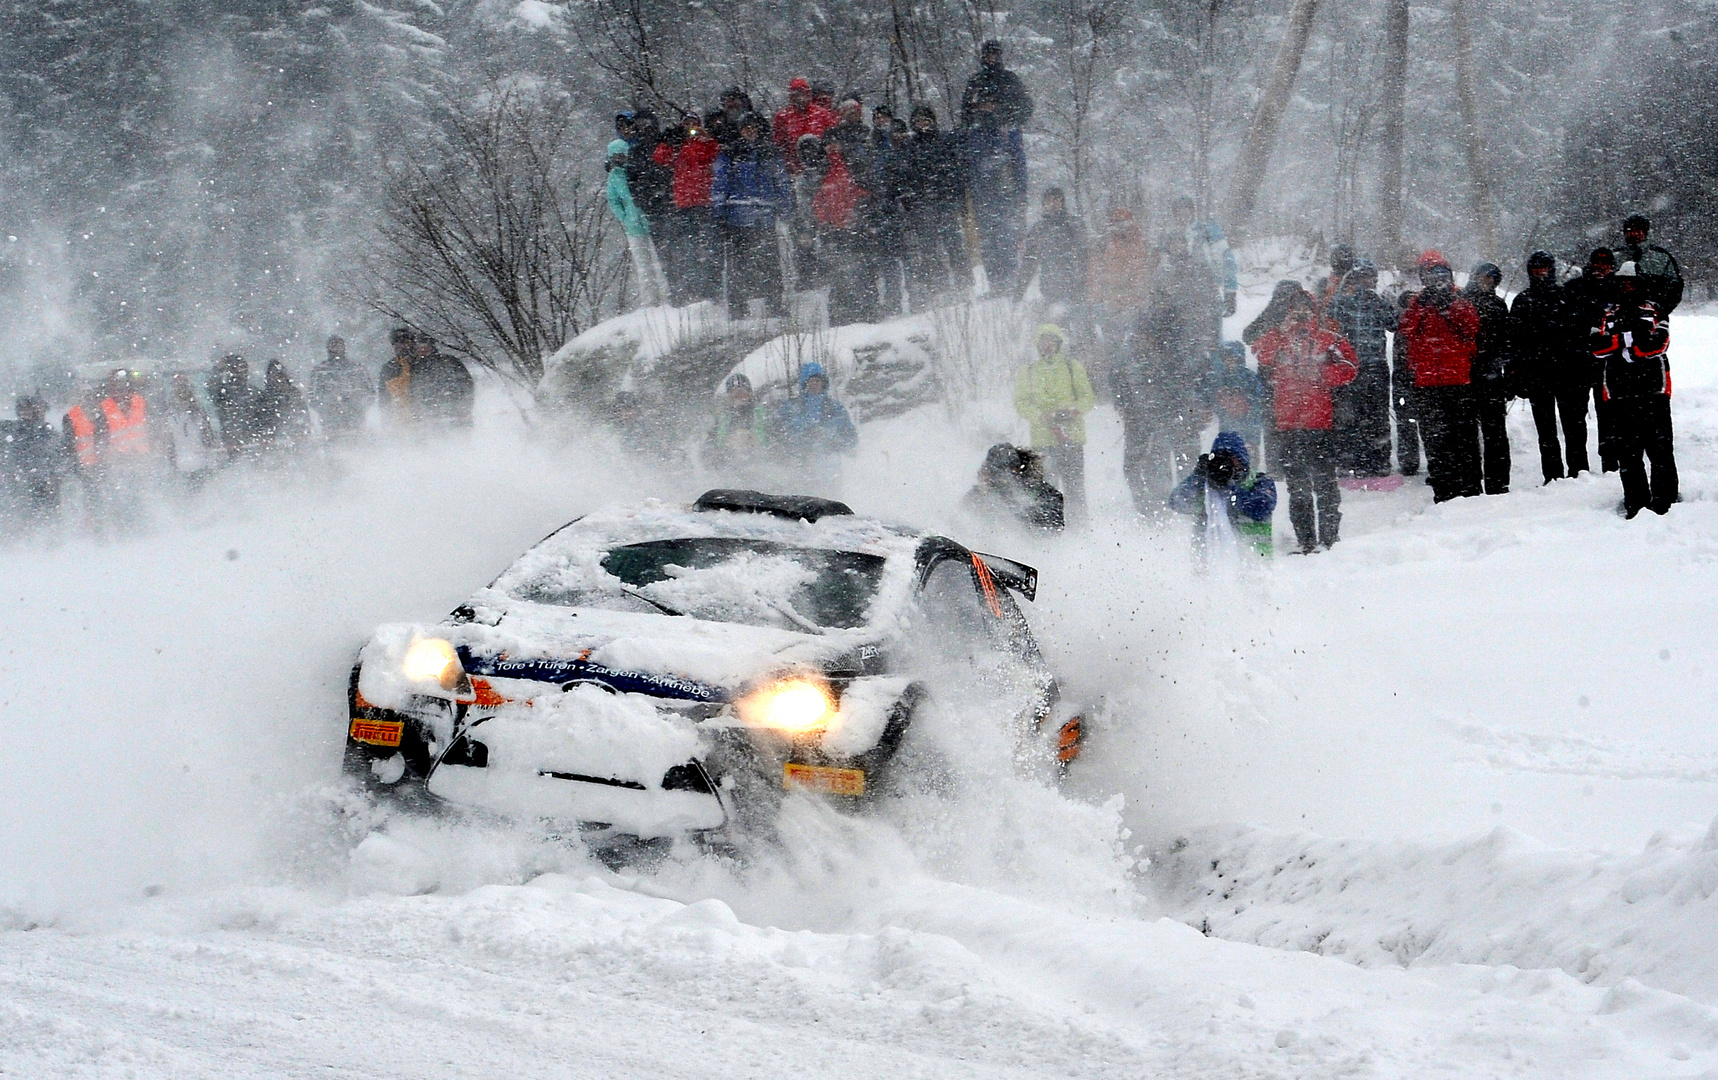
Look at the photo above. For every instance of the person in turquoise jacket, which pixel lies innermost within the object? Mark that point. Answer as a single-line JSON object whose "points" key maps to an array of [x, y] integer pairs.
{"points": [[652, 286], [1054, 395]]}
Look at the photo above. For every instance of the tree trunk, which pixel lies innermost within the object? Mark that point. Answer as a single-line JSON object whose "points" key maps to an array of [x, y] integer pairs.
{"points": [[1262, 134], [1395, 106], [1479, 185]]}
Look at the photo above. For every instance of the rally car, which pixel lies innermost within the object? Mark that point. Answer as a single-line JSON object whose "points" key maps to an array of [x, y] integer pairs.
{"points": [[663, 671]]}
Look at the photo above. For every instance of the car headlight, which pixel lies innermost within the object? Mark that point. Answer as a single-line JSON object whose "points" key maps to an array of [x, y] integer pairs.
{"points": [[795, 706], [433, 660]]}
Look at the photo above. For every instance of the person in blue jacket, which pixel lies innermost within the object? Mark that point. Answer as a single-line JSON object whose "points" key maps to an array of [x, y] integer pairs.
{"points": [[813, 429], [1225, 476], [749, 192], [1237, 395]]}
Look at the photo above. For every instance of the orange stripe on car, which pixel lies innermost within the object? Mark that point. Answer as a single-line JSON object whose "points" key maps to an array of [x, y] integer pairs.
{"points": [[988, 585]]}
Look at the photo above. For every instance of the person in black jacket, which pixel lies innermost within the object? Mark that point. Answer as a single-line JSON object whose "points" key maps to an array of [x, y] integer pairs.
{"points": [[1632, 345], [1011, 487], [442, 388], [33, 461], [932, 191], [652, 188], [1586, 299], [1549, 370], [1660, 277], [1490, 374], [1363, 406], [1013, 103], [1055, 252]]}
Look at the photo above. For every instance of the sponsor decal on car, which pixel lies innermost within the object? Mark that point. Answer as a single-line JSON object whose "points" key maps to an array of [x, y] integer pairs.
{"points": [[377, 732], [823, 778]]}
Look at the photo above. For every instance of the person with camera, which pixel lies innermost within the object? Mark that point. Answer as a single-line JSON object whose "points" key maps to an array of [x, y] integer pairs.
{"points": [[1230, 504]]}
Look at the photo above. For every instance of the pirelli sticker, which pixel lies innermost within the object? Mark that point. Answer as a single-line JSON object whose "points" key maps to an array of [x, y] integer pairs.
{"points": [[377, 732], [823, 779]]}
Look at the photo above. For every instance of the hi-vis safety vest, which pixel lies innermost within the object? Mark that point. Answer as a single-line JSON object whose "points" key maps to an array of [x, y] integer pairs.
{"points": [[126, 433], [83, 435]]}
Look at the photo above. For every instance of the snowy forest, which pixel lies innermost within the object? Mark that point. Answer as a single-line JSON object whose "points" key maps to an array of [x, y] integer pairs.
{"points": [[181, 177]]}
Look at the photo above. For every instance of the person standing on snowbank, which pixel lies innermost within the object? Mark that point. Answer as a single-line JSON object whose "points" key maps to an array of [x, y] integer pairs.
{"points": [[1440, 331], [1550, 370], [748, 193], [996, 83], [1303, 362], [1363, 406], [1586, 298], [1491, 379], [652, 286], [1053, 395], [1632, 345], [1660, 277]]}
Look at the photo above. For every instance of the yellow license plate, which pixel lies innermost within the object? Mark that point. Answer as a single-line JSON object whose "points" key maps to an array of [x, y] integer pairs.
{"points": [[823, 778], [377, 732]]}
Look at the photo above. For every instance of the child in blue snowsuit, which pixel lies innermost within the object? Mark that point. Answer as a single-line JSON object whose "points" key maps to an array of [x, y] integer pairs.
{"points": [[1226, 475], [814, 428]]}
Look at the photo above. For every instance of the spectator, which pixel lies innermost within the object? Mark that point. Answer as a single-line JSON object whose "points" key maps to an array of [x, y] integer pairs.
{"points": [[882, 223], [1054, 395], [394, 381], [1555, 376], [1225, 478], [997, 84], [1118, 281], [110, 437], [1632, 345], [1491, 378], [33, 462], [1587, 297], [1441, 333], [234, 399], [190, 437], [801, 116], [647, 270], [692, 157], [1160, 385], [995, 172], [443, 393], [1284, 294], [1011, 487], [1363, 406], [741, 428], [1341, 265], [736, 105], [1237, 395], [748, 194], [838, 209], [339, 393], [651, 183], [1661, 278], [933, 195], [1303, 362], [815, 429], [282, 418], [1210, 248], [1055, 252]]}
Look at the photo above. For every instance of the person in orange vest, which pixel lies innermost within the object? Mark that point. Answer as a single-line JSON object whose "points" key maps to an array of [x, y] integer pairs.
{"points": [[394, 383], [109, 437]]}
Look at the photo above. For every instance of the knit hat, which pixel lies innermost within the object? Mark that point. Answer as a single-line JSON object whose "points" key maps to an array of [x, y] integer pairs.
{"points": [[798, 84], [1432, 260], [619, 146]]}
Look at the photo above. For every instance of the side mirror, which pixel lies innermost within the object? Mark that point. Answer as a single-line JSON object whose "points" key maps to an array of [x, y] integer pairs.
{"points": [[1012, 575]]}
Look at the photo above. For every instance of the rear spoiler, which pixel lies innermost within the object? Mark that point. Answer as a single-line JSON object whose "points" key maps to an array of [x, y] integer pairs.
{"points": [[1013, 575]]}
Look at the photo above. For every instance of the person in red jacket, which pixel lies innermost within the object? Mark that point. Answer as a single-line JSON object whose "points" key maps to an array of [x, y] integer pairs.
{"points": [[801, 116], [1302, 361], [1440, 331], [698, 243]]}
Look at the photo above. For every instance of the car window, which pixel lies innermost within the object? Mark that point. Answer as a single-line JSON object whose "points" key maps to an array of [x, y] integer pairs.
{"points": [[723, 579], [963, 615]]}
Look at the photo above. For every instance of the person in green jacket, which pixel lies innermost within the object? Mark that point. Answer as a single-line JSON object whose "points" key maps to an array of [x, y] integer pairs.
{"points": [[652, 286], [1054, 396]]}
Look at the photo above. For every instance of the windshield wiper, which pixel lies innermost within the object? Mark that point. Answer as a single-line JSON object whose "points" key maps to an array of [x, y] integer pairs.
{"points": [[786, 611], [664, 608]]}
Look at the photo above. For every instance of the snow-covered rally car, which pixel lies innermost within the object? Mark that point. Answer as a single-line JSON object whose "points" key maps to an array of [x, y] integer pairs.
{"points": [[666, 670]]}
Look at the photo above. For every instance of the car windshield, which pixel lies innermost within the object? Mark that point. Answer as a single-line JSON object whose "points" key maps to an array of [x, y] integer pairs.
{"points": [[724, 579]]}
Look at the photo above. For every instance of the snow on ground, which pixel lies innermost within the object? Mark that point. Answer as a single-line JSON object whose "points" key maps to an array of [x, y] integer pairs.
{"points": [[1467, 757]]}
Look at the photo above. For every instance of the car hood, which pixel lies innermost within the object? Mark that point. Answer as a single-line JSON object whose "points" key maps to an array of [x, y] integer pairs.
{"points": [[668, 656]]}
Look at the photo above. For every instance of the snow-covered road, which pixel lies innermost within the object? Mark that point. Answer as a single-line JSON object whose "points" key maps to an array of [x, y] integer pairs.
{"points": [[1474, 740]]}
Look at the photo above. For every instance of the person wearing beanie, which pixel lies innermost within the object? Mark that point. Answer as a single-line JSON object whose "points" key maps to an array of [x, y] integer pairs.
{"points": [[1549, 371], [800, 116], [1632, 346], [1440, 332], [652, 287], [1586, 298], [1363, 406], [1492, 387], [749, 194], [1661, 278]]}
